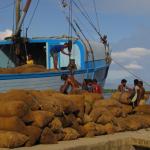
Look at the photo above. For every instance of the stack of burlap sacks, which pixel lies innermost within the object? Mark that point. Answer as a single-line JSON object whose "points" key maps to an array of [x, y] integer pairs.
{"points": [[45, 117], [23, 69]]}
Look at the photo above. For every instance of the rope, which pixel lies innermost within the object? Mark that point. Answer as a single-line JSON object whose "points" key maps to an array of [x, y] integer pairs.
{"points": [[134, 75], [85, 28], [87, 42], [13, 26], [87, 18], [70, 20], [33, 15], [77, 34], [86, 13], [97, 20], [13, 29]]}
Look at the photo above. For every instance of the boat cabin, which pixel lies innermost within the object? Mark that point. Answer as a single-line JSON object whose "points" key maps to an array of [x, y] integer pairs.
{"points": [[39, 49]]}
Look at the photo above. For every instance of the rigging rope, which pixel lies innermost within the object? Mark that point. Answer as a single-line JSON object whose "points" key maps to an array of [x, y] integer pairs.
{"points": [[87, 18], [97, 20], [134, 75], [13, 30], [13, 24], [77, 33], [87, 52], [85, 28], [33, 15], [86, 13], [91, 49], [103, 38]]}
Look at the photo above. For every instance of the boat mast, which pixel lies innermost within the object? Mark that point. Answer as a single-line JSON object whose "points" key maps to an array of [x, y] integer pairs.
{"points": [[18, 35], [18, 4], [19, 21]]}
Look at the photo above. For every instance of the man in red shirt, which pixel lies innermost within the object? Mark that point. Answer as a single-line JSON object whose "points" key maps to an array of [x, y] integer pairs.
{"points": [[96, 87]]}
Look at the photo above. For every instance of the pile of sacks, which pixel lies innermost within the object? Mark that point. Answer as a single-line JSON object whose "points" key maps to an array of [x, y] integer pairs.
{"points": [[45, 117], [23, 69]]}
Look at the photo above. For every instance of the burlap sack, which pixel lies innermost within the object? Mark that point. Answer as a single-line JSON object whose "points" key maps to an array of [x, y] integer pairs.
{"points": [[38, 118], [77, 104], [115, 111], [69, 120], [96, 113], [13, 108], [59, 136], [53, 104], [79, 120], [87, 108], [90, 129], [25, 69], [29, 69], [34, 134], [145, 120], [116, 96], [12, 124], [92, 97], [80, 129], [11, 139], [70, 134], [87, 119], [106, 103], [105, 118], [56, 125], [126, 109], [124, 98], [100, 129], [109, 128], [48, 137], [142, 109], [21, 95], [132, 123]]}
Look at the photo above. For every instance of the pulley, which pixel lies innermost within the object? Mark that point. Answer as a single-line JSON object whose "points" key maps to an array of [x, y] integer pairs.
{"points": [[64, 3]]}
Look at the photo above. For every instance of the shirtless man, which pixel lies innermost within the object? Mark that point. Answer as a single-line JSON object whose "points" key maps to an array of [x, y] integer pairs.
{"points": [[135, 95], [70, 81], [122, 87], [141, 91]]}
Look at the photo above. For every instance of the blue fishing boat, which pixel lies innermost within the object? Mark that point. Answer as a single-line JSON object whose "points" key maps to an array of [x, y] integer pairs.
{"points": [[92, 61]]}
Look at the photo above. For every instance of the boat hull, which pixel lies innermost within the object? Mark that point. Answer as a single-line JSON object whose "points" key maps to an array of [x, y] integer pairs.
{"points": [[51, 80]]}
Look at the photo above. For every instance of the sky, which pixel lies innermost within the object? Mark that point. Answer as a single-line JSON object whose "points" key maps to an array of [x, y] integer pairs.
{"points": [[125, 22]]}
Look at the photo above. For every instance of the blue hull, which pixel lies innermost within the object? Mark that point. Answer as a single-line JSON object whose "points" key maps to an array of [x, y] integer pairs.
{"points": [[41, 81]]}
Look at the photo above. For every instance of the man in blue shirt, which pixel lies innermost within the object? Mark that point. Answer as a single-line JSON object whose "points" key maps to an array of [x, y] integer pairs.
{"points": [[54, 53]]}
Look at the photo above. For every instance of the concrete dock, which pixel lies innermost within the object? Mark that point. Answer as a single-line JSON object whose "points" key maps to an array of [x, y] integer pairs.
{"points": [[130, 140]]}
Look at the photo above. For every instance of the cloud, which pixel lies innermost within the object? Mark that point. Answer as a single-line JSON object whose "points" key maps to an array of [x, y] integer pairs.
{"points": [[133, 66], [131, 53], [5, 33]]}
